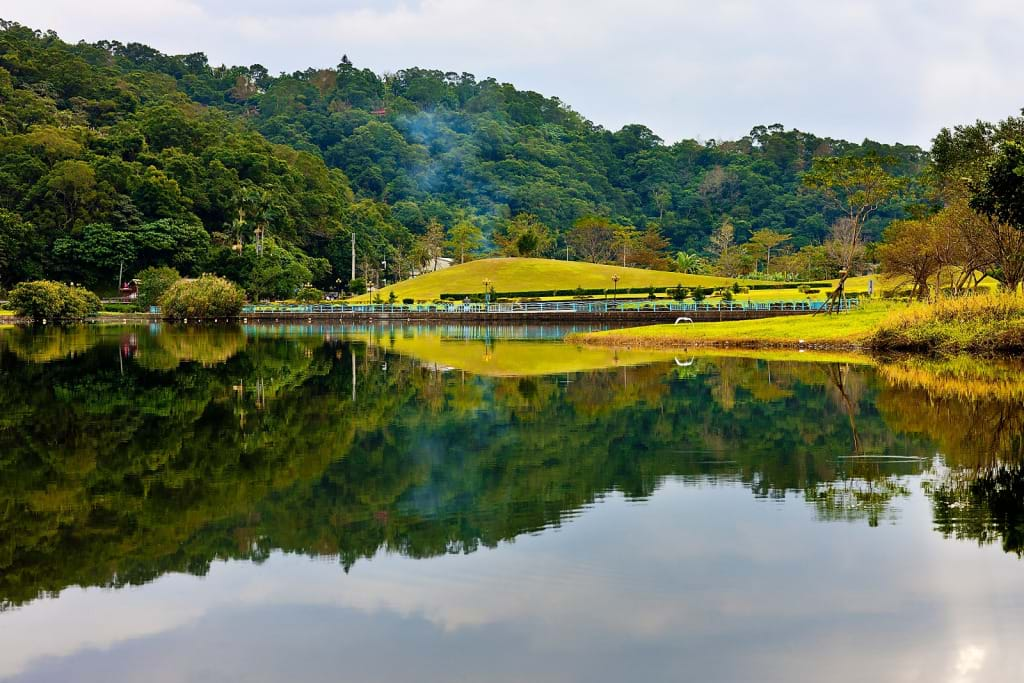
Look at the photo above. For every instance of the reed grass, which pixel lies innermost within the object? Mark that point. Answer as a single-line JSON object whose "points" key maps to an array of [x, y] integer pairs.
{"points": [[977, 324]]}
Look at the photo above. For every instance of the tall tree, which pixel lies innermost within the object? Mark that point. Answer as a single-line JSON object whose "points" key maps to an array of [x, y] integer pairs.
{"points": [[433, 243], [1001, 194], [525, 235], [464, 238], [913, 249], [857, 186], [625, 241], [722, 243], [593, 239], [766, 239]]}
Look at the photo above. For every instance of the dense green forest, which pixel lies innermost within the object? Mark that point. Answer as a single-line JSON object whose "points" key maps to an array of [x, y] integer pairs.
{"points": [[115, 153]]}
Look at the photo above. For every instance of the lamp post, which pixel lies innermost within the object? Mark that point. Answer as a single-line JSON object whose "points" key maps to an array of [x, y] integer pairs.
{"points": [[615, 286], [487, 291]]}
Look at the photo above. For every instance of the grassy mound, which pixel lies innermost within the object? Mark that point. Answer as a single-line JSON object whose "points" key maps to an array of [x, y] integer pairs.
{"points": [[530, 274], [986, 323]]}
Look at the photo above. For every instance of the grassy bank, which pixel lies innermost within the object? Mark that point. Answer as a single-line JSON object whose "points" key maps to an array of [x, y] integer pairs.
{"points": [[975, 324], [988, 323], [845, 330]]}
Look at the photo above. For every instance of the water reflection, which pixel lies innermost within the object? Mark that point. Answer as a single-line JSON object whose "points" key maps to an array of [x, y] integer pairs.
{"points": [[129, 454]]}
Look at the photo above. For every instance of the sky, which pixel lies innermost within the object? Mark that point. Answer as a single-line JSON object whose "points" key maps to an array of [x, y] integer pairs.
{"points": [[889, 70]]}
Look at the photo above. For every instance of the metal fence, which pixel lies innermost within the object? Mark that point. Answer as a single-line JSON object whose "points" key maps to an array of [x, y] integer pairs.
{"points": [[547, 307]]}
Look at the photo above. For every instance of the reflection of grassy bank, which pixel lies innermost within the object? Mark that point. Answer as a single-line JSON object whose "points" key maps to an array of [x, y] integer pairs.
{"points": [[511, 358], [843, 331], [959, 377]]}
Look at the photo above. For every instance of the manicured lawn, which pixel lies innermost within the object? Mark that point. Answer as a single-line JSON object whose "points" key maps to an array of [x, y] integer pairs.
{"points": [[848, 329], [535, 274]]}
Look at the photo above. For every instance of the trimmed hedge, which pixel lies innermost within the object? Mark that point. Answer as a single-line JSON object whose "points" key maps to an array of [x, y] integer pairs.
{"points": [[621, 290]]}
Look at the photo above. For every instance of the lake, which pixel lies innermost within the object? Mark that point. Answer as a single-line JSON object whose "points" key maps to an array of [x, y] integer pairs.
{"points": [[384, 504]]}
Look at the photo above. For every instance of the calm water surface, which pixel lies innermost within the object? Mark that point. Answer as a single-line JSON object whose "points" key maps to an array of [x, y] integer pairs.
{"points": [[491, 504]]}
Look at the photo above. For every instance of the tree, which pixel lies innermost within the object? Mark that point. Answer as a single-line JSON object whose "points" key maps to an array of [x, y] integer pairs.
{"points": [[625, 241], [208, 296], [912, 249], [464, 238], [153, 282], [276, 273], [1000, 195], [857, 186], [21, 246], [982, 243], [525, 236], [46, 300], [592, 238], [662, 198], [766, 239], [728, 260], [73, 184], [650, 251], [692, 264], [433, 243], [95, 254]]}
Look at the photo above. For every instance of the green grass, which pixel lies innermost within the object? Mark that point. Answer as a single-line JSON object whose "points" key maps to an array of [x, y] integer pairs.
{"points": [[535, 274], [844, 330]]}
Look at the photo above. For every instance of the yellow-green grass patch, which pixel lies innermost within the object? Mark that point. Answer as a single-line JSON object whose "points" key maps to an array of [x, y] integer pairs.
{"points": [[535, 274]]}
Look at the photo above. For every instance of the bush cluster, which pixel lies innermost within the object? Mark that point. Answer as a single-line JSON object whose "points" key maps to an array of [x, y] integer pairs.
{"points": [[47, 300], [309, 295], [209, 296], [153, 283]]}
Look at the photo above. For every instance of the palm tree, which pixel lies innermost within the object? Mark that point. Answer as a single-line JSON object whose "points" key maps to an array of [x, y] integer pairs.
{"points": [[690, 263]]}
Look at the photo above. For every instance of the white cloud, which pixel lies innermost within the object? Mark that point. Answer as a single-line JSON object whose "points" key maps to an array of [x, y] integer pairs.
{"points": [[886, 69]]}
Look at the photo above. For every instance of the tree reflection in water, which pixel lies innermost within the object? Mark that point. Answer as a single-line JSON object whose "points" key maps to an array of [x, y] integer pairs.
{"points": [[132, 452]]}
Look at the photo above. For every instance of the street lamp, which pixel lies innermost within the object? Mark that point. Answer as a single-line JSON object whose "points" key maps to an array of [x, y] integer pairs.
{"points": [[487, 291], [615, 286]]}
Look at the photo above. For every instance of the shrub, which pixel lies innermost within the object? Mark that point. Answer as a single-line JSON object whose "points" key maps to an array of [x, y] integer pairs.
{"points": [[153, 282], [206, 297], [650, 293], [357, 286], [726, 295], [698, 294], [408, 301], [119, 308], [48, 300], [392, 297], [309, 295], [735, 287]]}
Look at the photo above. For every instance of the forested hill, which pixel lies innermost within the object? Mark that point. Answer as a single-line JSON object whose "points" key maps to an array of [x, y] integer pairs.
{"points": [[115, 152]]}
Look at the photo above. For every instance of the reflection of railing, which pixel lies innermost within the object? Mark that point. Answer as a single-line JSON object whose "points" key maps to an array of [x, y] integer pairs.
{"points": [[548, 307]]}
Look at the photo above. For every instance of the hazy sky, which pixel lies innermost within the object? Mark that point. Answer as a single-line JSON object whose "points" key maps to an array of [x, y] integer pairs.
{"points": [[891, 70]]}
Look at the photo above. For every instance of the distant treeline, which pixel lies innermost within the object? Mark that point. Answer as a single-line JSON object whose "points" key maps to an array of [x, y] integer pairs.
{"points": [[115, 157]]}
